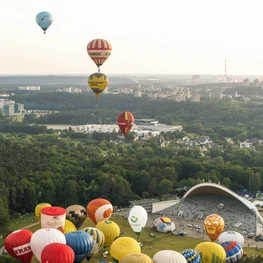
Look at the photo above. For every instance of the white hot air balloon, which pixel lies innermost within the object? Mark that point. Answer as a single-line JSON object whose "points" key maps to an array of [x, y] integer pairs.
{"points": [[231, 236], [163, 224], [137, 218], [168, 256], [43, 237]]}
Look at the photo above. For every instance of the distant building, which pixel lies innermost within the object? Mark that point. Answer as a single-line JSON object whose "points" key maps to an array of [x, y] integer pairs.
{"points": [[9, 110], [145, 121], [256, 83], [29, 87], [246, 82], [137, 93], [19, 107], [195, 98]]}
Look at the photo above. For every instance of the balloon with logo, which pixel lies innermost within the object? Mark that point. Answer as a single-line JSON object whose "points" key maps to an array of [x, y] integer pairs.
{"points": [[57, 253], [123, 246], [99, 209], [98, 83], [44, 237], [69, 227], [211, 252], [38, 209], [137, 218], [165, 256], [77, 214], [53, 217], [231, 236], [98, 240], [81, 243], [110, 230], [17, 245], [214, 226], [191, 255], [125, 121], [234, 251], [136, 258], [99, 50], [44, 20]]}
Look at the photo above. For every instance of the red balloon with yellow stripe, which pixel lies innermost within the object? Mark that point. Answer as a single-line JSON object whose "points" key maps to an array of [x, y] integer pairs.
{"points": [[125, 120], [214, 226], [99, 50]]}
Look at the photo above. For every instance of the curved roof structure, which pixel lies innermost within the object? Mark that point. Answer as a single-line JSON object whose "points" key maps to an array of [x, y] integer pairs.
{"points": [[216, 189]]}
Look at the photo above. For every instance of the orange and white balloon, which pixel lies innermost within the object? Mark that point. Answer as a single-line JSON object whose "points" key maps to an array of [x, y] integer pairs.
{"points": [[214, 226]]}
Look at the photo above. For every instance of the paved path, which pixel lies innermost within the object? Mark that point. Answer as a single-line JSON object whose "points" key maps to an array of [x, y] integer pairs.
{"points": [[25, 227]]}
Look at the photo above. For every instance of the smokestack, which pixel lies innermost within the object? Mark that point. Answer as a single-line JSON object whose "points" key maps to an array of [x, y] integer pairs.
{"points": [[225, 68]]}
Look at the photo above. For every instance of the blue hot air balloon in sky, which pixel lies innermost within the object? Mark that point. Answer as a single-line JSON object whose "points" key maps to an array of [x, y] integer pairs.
{"points": [[81, 243], [44, 20]]}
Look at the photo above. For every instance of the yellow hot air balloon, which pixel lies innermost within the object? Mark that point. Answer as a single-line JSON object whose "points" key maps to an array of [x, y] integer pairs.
{"points": [[123, 246], [69, 227], [110, 230], [136, 258], [98, 82], [98, 239], [214, 226], [211, 252], [38, 209]]}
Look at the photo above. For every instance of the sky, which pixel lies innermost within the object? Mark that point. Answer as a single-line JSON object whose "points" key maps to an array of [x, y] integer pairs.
{"points": [[147, 36]]}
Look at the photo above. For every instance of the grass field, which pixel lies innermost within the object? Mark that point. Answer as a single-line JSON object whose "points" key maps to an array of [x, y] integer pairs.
{"points": [[150, 245]]}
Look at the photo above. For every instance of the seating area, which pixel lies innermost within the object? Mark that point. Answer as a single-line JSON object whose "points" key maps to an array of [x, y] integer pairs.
{"points": [[235, 214]]}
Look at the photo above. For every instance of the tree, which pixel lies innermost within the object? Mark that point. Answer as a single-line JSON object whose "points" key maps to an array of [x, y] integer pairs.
{"points": [[254, 182]]}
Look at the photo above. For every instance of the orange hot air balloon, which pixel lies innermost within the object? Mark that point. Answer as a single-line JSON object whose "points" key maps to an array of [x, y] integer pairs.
{"points": [[99, 209], [214, 226], [125, 120], [99, 50]]}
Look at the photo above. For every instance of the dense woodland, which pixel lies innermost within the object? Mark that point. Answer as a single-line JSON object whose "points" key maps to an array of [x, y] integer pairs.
{"points": [[38, 165]]}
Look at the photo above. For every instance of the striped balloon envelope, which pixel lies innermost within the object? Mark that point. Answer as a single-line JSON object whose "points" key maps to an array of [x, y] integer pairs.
{"points": [[191, 255], [99, 50], [234, 251], [98, 239]]}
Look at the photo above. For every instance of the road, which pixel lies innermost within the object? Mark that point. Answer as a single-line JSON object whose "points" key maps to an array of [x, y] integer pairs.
{"points": [[2, 248]]}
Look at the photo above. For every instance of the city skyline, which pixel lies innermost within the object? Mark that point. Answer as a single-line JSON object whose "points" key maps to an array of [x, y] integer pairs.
{"points": [[168, 37]]}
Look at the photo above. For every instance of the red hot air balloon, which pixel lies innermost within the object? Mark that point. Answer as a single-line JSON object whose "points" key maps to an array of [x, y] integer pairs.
{"points": [[99, 50], [125, 120], [99, 209], [17, 245], [57, 253]]}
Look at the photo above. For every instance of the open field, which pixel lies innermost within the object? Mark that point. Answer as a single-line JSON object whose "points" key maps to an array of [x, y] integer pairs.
{"points": [[150, 245]]}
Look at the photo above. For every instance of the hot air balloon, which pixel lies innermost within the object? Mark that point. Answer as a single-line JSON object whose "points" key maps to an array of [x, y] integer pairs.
{"points": [[53, 217], [137, 218], [211, 252], [136, 258], [99, 209], [98, 82], [110, 230], [99, 50], [123, 246], [69, 227], [38, 209], [57, 253], [44, 20], [233, 250], [76, 214], [191, 255], [214, 226], [163, 224], [165, 256], [98, 239], [17, 245], [125, 120], [81, 243], [231, 236], [44, 237]]}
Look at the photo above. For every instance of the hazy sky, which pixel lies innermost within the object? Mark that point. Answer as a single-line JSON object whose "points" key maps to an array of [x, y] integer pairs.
{"points": [[147, 36]]}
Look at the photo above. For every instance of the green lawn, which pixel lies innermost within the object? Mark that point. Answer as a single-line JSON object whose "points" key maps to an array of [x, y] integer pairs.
{"points": [[150, 245]]}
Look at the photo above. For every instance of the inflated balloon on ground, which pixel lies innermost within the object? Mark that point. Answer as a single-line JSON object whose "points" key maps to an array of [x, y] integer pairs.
{"points": [[136, 258], [77, 214]]}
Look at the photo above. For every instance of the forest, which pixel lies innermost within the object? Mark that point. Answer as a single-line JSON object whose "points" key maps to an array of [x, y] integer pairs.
{"points": [[40, 165]]}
